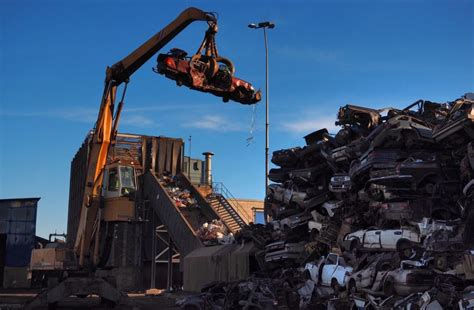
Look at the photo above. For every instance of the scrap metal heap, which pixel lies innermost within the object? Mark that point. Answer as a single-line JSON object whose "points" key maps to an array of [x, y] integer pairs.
{"points": [[209, 232], [378, 216]]}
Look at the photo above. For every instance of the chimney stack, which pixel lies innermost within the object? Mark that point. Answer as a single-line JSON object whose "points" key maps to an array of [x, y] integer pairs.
{"points": [[208, 167]]}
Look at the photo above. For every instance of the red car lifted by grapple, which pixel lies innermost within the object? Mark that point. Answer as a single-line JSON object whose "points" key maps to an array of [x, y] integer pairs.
{"points": [[207, 74]]}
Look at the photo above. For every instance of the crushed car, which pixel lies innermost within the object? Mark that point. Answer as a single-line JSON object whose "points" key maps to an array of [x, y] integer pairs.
{"points": [[331, 271], [401, 240], [377, 215], [196, 74]]}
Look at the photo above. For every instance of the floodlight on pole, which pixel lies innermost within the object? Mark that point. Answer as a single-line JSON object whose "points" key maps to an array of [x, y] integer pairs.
{"points": [[264, 26]]}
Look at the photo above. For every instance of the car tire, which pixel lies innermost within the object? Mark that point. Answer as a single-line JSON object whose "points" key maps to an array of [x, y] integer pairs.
{"points": [[228, 63], [404, 248], [335, 285], [352, 286], [388, 286], [355, 244], [314, 234], [441, 262]]}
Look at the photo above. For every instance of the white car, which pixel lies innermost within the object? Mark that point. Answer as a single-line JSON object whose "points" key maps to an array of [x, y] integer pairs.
{"points": [[287, 196], [400, 240], [331, 205], [316, 224], [370, 277], [410, 278], [330, 271], [292, 221]]}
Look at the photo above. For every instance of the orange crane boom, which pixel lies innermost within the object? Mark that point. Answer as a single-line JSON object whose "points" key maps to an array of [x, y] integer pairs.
{"points": [[106, 127]]}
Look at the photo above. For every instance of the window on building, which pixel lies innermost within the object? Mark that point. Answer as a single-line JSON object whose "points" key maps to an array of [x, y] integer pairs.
{"points": [[259, 217]]}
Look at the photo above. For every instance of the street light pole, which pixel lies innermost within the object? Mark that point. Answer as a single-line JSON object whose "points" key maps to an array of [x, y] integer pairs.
{"points": [[267, 121], [264, 26]]}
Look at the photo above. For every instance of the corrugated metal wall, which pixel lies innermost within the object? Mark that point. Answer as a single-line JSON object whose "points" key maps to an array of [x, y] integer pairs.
{"points": [[76, 190], [18, 223], [126, 245], [163, 155]]}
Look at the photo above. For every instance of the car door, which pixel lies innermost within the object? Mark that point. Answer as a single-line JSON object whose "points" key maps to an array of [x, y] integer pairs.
{"points": [[410, 235], [390, 237], [372, 239], [329, 268]]}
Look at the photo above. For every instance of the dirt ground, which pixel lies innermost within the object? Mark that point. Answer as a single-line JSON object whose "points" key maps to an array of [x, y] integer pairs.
{"points": [[18, 299]]}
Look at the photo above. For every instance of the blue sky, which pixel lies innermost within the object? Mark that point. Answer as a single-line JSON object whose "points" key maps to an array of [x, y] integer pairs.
{"points": [[323, 54]]}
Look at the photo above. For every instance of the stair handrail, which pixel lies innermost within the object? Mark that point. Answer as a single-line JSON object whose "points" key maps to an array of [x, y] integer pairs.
{"points": [[220, 188]]}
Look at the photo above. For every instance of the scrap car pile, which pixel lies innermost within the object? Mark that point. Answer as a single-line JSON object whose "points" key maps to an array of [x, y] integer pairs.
{"points": [[377, 216]]}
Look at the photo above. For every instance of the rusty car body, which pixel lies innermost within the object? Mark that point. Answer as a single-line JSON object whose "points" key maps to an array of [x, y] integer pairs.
{"points": [[194, 73]]}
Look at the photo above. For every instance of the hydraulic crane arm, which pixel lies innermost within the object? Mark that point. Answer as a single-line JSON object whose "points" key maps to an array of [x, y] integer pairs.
{"points": [[106, 126], [123, 69]]}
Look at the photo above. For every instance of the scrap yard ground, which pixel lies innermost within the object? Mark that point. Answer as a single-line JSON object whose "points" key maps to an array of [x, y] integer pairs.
{"points": [[16, 299]]}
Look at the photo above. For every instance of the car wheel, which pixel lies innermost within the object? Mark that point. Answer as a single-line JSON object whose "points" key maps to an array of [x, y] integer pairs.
{"points": [[314, 233], [355, 244], [405, 249], [388, 287], [335, 285], [352, 287], [441, 262]]}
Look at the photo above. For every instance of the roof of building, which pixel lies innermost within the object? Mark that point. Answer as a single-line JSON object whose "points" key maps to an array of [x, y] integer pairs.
{"points": [[19, 202]]}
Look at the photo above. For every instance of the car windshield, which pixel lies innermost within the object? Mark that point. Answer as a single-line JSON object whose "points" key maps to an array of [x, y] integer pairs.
{"points": [[332, 259]]}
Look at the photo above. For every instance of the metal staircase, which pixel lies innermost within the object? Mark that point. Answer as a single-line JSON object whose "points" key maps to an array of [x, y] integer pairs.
{"points": [[229, 213]]}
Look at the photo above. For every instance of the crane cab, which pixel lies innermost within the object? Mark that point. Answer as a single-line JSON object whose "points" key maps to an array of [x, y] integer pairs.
{"points": [[118, 191]]}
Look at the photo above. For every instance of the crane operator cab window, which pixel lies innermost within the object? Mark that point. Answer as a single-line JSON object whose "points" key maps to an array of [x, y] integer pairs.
{"points": [[114, 184], [120, 181], [127, 178]]}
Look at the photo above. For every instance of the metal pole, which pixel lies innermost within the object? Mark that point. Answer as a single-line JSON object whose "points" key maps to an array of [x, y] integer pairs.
{"points": [[169, 282], [153, 254], [189, 159], [265, 25], [267, 125]]}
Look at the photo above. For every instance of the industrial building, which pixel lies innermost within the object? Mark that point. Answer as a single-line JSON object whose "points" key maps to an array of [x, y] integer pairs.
{"points": [[17, 239], [134, 245]]}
